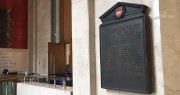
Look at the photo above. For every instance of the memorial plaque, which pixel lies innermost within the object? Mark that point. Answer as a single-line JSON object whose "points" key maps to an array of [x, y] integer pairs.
{"points": [[124, 48]]}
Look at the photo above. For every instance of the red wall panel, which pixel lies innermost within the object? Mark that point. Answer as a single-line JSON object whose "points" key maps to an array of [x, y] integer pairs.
{"points": [[19, 14]]}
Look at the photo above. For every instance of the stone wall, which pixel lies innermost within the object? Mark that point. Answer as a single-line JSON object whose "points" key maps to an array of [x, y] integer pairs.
{"points": [[170, 26], [13, 59]]}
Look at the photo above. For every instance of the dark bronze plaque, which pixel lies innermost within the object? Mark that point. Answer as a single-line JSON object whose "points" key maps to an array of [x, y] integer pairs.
{"points": [[124, 49]]}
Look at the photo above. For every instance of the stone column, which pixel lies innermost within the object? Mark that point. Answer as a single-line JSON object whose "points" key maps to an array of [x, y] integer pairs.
{"points": [[31, 34], [43, 35], [84, 67]]}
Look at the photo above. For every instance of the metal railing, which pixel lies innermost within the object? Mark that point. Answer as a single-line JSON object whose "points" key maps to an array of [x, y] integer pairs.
{"points": [[8, 88], [8, 84]]}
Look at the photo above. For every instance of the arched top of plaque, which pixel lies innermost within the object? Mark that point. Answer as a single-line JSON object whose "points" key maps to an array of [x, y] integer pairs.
{"points": [[120, 10]]}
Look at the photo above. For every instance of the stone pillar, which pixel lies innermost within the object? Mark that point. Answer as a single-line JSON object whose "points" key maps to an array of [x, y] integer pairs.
{"points": [[43, 35], [170, 32], [84, 70], [31, 34]]}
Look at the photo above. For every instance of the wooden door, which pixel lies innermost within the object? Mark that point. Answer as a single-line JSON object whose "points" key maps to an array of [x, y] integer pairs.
{"points": [[56, 58]]}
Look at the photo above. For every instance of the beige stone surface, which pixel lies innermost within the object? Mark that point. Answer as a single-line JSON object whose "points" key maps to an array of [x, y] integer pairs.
{"points": [[170, 26], [19, 56], [42, 89], [31, 34], [43, 35], [80, 48]]}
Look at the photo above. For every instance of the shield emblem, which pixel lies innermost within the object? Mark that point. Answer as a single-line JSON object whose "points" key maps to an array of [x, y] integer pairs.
{"points": [[119, 12]]}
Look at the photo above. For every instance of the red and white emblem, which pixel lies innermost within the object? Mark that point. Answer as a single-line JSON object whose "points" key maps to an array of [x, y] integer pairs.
{"points": [[119, 12]]}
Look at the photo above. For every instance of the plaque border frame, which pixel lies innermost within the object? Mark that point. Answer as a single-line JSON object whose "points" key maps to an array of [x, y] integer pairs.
{"points": [[146, 41]]}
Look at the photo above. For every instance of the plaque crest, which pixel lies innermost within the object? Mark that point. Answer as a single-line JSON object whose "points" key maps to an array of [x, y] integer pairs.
{"points": [[119, 12]]}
